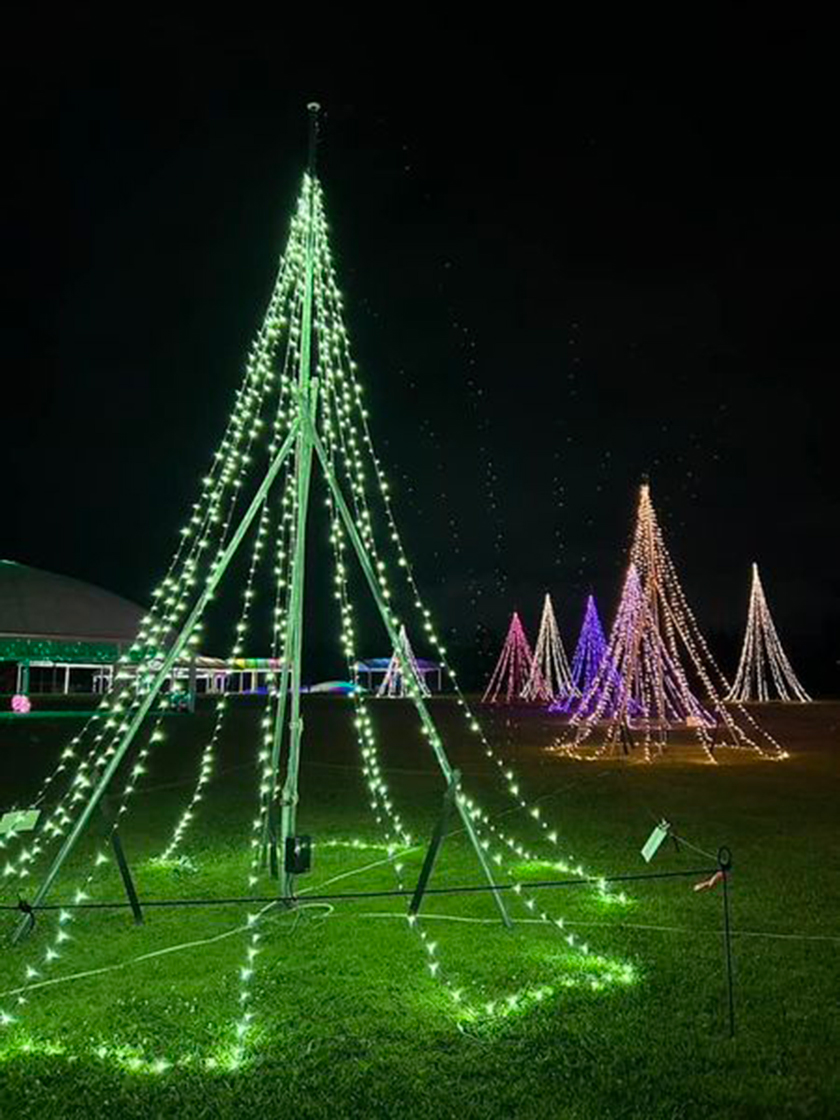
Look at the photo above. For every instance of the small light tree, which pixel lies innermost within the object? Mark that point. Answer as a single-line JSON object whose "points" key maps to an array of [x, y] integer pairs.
{"points": [[402, 670], [550, 676], [764, 672], [513, 669]]}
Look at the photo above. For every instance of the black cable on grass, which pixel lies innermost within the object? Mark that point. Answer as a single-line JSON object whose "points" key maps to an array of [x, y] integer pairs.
{"points": [[351, 896], [25, 908]]}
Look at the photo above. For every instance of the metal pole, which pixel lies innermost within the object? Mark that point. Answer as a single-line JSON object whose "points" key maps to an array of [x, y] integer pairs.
{"points": [[192, 685], [111, 822], [125, 872], [269, 838], [307, 406], [161, 675], [289, 796], [313, 109], [419, 704]]}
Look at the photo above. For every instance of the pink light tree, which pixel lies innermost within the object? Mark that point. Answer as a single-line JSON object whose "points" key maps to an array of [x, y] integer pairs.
{"points": [[513, 668]]}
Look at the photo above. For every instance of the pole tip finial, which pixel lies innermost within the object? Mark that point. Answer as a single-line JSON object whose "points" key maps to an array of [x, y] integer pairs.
{"points": [[314, 108]]}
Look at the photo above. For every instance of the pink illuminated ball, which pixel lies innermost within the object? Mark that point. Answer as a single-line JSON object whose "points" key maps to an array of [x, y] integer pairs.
{"points": [[21, 704]]}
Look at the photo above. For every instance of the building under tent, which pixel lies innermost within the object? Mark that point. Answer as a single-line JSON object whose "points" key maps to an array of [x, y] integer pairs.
{"points": [[58, 633], [62, 636], [371, 672], [204, 675]]}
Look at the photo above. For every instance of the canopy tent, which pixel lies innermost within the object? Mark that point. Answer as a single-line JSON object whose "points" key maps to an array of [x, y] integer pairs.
{"points": [[54, 626], [62, 635], [373, 667]]}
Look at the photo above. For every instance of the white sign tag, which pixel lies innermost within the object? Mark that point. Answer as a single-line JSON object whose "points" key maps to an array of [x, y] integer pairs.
{"points": [[19, 820], [654, 841]]}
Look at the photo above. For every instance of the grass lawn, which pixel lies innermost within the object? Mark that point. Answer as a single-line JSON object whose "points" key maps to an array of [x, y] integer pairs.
{"points": [[348, 1020]]}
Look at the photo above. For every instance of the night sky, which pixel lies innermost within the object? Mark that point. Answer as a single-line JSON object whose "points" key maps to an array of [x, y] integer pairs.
{"points": [[560, 274]]}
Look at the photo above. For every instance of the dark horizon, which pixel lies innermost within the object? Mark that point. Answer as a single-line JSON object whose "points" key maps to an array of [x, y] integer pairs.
{"points": [[653, 295]]}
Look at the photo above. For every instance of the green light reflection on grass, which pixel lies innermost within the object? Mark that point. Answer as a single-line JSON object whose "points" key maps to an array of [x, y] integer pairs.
{"points": [[594, 974]]}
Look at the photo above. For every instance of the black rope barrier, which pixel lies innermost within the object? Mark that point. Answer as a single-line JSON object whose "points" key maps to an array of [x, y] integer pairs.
{"points": [[350, 896]]}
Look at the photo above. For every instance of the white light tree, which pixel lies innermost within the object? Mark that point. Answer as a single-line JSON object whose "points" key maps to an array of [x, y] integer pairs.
{"points": [[403, 664], [764, 672], [550, 677]]}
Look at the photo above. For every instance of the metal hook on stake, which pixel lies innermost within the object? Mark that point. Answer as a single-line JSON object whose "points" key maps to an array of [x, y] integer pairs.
{"points": [[724, 860]]}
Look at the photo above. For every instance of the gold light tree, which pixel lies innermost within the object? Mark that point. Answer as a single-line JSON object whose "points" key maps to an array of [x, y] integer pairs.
{"points": [[658, 678]]}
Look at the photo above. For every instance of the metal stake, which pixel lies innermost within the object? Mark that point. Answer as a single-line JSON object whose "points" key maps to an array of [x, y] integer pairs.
{"points": [[724, 858], [435, 843], [122, 863], [125, 872]]}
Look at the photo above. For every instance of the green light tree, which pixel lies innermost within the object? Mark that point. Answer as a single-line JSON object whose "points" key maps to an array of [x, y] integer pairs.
{"points": [[299, 415]]}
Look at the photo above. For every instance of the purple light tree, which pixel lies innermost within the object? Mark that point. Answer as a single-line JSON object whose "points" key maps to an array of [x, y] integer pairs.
{"points": [[589, 653]]}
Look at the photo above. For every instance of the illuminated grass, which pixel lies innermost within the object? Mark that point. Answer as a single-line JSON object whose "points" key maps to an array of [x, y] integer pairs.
{"points": [[599, 891], [347, 1019]]}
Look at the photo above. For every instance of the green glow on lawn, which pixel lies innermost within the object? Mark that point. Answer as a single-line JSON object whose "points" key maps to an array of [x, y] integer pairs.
{"points": [[587, 974], [540, 867], [595, 974], [185, 864]]}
